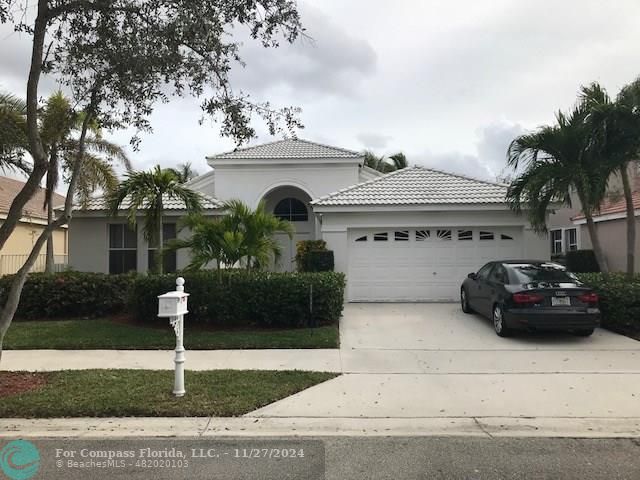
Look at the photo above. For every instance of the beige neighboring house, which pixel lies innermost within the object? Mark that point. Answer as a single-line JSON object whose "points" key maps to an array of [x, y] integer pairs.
{"points": [[568, 230], [33, 221]]}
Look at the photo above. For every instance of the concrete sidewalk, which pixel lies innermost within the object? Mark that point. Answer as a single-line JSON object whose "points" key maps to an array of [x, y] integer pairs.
{"points": [[323, 360]]}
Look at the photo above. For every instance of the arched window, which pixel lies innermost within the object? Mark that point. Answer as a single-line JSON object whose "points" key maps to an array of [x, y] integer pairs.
{"points": [[291, 209]]}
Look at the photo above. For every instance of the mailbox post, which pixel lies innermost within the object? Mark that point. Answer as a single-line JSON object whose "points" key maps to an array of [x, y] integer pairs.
{"points": [[173, 305]]}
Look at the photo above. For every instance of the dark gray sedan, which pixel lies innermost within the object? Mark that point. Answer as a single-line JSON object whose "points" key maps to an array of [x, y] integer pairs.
{"points": [[530, 295]]}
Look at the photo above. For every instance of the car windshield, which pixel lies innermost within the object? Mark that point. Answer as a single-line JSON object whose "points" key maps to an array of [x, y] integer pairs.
{"points": [[544, 272]]}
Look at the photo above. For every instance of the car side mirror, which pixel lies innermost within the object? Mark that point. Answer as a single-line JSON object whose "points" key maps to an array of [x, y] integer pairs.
{"points": [[472, 276]]}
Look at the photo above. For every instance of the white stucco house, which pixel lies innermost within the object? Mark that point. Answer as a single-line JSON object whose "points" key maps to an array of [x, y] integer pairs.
{"points": [[411, 235]]}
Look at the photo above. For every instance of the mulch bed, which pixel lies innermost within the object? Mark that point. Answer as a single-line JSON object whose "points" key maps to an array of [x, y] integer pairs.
{"points": [[13, 383]]}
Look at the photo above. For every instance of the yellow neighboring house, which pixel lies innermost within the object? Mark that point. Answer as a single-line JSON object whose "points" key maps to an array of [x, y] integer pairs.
{"points": [[33, 221]]}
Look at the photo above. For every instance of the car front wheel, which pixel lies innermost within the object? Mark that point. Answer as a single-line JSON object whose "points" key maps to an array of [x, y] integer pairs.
{"points": [[464, 301], [499, 324], [583, 333]]}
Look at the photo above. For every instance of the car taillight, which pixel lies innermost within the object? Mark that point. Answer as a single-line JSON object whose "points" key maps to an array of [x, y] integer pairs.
{"points": [[591, 297], [527, 298]]}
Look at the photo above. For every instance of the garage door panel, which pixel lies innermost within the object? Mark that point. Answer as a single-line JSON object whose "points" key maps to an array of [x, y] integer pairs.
{"points": [[426, 267]]}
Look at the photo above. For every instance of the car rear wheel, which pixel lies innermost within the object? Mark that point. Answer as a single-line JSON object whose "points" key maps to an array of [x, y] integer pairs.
{"points": [[498, 322], [583, 333], [464, 301]]}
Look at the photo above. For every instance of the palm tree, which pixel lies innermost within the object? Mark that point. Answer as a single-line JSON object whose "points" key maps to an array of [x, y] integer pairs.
{"points": [[57, 123], [257, 228], [185, 172], [616, 133], [558, 160], [147, 192], [385, 165], [13, 137], [241, 236]]}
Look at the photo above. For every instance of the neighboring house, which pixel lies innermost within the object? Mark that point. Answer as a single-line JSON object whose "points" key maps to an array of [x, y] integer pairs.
{"points": [[611, 224], [411, 235], [34, 219], [568, 230]]}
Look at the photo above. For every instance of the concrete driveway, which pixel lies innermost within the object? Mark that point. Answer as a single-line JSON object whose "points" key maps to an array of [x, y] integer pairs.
{"points": [[432, 360]]}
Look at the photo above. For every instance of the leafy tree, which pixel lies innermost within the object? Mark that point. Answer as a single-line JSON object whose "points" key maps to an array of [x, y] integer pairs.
{"points": [[185, 172], [557, 160], [12, 133], [118, 58], [615, 126], [241, 236], [384, 164], [146, 192]]}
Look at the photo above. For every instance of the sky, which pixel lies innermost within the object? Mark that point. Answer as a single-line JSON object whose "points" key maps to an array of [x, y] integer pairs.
{"points": [[448, 82]]}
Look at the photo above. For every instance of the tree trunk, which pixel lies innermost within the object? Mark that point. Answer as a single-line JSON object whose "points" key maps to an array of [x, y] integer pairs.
{"points": [[13, 298], [35, 144], [595, 242], [159, 266], [50, 262], [631, 221]]}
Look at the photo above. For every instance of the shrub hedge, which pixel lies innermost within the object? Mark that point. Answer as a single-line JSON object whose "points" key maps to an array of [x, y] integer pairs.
{"points": [[619, 300], [69, 294], [582, 261], [241, 298], [313, 256]]}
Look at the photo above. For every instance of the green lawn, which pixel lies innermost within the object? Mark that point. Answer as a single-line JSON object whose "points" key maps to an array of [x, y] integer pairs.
{"points": [[106, 333], [123, 393]]}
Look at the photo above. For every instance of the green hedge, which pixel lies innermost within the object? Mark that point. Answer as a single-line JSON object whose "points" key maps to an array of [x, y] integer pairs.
{"points": [[619, 299], [264, 299], [69, 294], [581, 261], [313, 256]]}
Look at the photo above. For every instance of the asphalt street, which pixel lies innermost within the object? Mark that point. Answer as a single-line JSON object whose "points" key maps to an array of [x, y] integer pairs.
{"points": [[348, 458]]}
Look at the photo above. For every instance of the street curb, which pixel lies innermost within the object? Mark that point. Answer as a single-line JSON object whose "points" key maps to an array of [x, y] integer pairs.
{"points": [[488, 427]]}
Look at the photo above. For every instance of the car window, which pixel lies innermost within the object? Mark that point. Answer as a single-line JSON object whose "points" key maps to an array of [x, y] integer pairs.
{"points": [[543, 272], [483, 273], [499, 275]]}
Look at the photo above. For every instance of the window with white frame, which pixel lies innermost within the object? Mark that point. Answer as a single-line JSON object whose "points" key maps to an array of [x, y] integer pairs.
{"points": [[571, 239], [123, 248], [556, 241]]}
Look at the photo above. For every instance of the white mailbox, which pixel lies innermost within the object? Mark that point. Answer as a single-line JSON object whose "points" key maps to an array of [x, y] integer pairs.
{"points": [[172, 304]]}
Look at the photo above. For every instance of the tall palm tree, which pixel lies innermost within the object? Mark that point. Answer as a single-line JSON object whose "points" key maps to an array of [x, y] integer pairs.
{"points": [[558, 160], [616, 132], [383, 164], [147, 192], [185, 172]]}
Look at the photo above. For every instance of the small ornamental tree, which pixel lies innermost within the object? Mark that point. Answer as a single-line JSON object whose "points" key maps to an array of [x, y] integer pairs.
{"points": [[118, 58]]}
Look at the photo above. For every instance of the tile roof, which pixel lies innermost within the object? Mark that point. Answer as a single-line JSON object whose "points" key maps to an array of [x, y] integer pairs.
{"points": [[613, 206], [208, 203], [417, 186], [9, 188], [291, 148]]}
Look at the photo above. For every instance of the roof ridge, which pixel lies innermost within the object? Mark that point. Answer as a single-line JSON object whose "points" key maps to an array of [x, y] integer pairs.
{"points": [[286, 139], [356, 185], [466, 177]]}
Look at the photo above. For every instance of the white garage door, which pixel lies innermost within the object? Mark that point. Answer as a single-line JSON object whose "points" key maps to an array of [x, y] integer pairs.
{"points": [[422, 264]]}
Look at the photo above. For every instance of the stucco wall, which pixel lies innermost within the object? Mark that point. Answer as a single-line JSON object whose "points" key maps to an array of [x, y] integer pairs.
{"points": [[251, 183], [613, 237], [89, 244], [19, 244]]}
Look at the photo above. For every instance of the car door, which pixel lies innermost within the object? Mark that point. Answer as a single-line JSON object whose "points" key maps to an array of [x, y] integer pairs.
{"points": [[494, 287], [478, 288]]}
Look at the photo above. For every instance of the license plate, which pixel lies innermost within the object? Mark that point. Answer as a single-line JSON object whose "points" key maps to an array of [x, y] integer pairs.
{"points": [[560, 301]]}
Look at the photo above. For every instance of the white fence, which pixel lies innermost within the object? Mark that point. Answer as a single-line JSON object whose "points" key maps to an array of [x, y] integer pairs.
{"points": [[12, 263]]}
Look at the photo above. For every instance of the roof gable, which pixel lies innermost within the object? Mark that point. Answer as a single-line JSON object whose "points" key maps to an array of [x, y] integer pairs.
{"points": [[291, 148], [417, 186]]}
